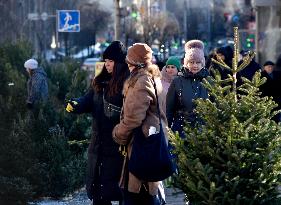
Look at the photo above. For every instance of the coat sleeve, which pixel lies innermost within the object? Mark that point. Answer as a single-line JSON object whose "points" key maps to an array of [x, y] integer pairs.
{"points": [[135, 108], [171, 100], [35, 89], [85, 103]]}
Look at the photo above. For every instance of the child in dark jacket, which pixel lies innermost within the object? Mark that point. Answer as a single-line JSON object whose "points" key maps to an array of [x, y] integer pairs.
{"points": [[186, 88]]}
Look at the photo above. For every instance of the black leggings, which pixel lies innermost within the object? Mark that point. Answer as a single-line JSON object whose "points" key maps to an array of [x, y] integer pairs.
{"points": [[142, 198]]}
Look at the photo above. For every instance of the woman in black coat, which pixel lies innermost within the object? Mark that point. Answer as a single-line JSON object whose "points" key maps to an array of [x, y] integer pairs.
{"points": [[104, 101]]}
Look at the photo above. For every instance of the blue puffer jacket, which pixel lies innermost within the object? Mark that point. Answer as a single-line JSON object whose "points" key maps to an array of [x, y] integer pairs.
{"points": [[37, 86], [181, 93]]}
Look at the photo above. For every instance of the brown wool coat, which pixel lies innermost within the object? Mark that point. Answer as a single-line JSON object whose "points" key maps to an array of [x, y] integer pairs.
{"points": [[140, 108]]}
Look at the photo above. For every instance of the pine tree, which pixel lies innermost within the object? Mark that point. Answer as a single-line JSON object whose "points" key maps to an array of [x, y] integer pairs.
{"points": [[234, 156], [35, 156]]}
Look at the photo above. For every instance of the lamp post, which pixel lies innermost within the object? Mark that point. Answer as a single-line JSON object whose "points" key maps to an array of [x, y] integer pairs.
{"points": [[117, 20], [35, 17]]}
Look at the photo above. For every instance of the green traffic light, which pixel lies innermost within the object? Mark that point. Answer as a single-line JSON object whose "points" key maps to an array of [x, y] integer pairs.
{"points": [[134, 14]]}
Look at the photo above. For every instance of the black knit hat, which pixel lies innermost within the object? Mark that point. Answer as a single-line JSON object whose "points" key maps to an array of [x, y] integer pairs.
{"points": [[268, 63], [116, 51]]}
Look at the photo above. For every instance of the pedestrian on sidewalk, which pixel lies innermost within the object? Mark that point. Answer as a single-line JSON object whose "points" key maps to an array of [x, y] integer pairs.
{"points": [[140, 109], [37, 84], [104, 100], [169, 72], [187, 87], [267, 88]]}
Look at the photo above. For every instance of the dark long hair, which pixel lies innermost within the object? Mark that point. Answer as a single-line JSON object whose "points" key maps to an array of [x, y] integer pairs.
{"points": [[115, 80]]}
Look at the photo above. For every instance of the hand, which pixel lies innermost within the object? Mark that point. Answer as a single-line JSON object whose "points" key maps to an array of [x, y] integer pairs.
{"points": [[70, 106], [29, 105]]}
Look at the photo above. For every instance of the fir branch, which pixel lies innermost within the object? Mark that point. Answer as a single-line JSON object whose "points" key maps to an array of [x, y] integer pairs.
{"points": [[246, 60], [223, 64]]}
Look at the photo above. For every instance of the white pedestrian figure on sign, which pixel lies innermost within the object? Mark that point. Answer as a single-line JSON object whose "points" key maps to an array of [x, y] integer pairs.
{"points": [[67, 18]]}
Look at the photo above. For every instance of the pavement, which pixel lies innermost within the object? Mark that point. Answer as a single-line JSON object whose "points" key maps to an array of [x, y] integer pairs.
{"points": [[173, 197]]}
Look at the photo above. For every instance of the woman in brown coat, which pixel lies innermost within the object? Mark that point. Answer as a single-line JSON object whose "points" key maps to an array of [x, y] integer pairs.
{"points": [[140, 109]]}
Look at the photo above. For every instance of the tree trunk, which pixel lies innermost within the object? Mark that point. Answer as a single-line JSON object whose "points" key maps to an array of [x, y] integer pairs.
{"points": [[65, 38]]}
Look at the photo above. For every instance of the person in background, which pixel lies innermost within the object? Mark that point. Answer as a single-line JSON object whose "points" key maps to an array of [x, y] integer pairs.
{"points": [[37, 84], [140, 109], [267, 72], [104, 101], [186, 88], [169, 72], [249, 71], [226, 54], [209, 63], [268, 67], [160, 65], [276, 86]]}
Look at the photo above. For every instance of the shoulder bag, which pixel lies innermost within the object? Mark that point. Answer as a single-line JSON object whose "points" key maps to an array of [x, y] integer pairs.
{"points": [[150, 159]]}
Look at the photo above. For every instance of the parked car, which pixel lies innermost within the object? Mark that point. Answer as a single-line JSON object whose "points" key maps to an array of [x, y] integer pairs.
{"points": [[93, 66], [89, 64]]}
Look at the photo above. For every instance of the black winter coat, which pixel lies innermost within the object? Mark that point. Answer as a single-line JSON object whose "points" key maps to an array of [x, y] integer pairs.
{"points": [[248, 72], [181, 93], [104, 159], [267, 88], [276, 94]]}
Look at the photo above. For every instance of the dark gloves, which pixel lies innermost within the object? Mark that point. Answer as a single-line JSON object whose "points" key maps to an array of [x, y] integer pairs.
{"points": [[29, 105]]}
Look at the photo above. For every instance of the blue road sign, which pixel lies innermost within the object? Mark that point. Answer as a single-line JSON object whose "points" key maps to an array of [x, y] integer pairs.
{"points": [[68, 20]]}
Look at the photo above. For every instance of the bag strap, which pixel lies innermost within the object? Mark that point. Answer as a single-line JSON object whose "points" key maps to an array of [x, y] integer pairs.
{"points": [[158, 108]]}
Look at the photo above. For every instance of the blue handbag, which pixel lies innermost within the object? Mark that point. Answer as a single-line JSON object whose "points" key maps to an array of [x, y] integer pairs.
{"points": [[150, 159]]}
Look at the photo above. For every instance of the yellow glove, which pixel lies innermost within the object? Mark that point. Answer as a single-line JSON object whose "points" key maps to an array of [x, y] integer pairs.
{"points": [[71, 106]]}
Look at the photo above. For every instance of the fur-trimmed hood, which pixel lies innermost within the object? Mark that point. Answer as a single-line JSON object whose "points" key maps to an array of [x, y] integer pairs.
{"points": [[151, 70]]}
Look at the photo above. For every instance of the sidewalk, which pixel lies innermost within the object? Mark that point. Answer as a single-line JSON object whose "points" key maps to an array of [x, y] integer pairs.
{"points": [[173, 197]]}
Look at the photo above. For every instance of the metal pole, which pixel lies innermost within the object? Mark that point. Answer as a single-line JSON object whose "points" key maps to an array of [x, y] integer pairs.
{"points": [[257, 33], [117, 19], [57, 33], [36, 42], [184, 20]]}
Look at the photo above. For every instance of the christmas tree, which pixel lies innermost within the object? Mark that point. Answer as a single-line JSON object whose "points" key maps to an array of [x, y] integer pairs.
{"points": [[233, 157], [36, 157]]}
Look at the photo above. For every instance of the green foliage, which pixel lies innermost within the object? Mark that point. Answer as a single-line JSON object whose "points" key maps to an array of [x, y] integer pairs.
{"points": [[77, 127], [63, 175], [35, 155], [17, 190], [60, 75], [17, 159], [234, 156]]}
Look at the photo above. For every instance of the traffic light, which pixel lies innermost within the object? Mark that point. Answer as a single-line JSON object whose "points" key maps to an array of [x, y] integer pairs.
{"points": [[134, 14], [175, 45], [250, 41], [226, 17], [235, 18]]}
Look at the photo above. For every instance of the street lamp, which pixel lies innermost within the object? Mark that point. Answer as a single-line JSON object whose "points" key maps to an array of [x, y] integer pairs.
{"points": [[53, 44]]}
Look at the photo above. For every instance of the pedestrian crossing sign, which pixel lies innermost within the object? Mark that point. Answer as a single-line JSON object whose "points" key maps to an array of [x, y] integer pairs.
{"points": [[68, 20]]}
